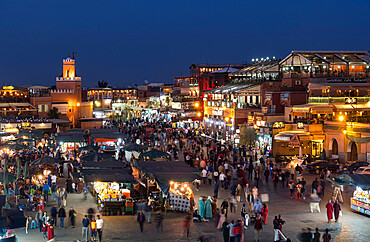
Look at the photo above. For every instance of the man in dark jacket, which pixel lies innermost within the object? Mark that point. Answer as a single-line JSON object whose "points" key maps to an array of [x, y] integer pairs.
{"points": [[61, 215], [72, 216], [53, 213]]}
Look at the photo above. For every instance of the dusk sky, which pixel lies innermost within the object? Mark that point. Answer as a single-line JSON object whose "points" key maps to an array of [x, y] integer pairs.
{"points": [[125, 42]]}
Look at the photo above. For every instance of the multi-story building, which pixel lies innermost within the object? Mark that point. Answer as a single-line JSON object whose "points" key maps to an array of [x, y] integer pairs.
{"points": [[66, 97], [337, 113], [202, 78]]}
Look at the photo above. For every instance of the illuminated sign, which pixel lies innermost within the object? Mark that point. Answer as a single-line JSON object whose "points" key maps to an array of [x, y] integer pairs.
{"points": [[299, 125], [260, 123], [217, 112], [284, 96], [294, 141], [278, 125], [351, 100], [8, 87]]}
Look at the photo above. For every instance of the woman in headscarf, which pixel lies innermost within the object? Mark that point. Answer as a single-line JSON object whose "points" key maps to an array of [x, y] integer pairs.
{"points": [[201, 208], [329, 210], [208, 207], [265, 211], [225, 231], [337, 210], [222, 220]]}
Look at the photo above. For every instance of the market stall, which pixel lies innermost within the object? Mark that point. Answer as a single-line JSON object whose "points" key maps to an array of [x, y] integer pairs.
{"points": [[155, 154], [171, 178], [111, 189], [133, 151], [71, 140], [360, 201]]}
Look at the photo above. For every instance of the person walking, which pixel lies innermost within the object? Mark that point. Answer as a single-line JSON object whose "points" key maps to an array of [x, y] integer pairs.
{"points": [[316, 236], [250, 200], [291, 188], [329, 210], [99, 226], [141, 219], [59, 197], [159, 221], [225, 231], [85, 228], [38, 218], [209, 177], [258, 227], [93, 231], [72, 216], [224, 207], [238, 192], [54, 213], [265, 211], [215, 189], [61, 215], [232, 203], [50, 228], [326, 237], [45, 189], [186, 225], [230, 226], [337, 210]]}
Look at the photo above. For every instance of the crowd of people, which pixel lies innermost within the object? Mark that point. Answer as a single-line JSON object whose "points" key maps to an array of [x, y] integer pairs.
{"points": [[239, 172]]}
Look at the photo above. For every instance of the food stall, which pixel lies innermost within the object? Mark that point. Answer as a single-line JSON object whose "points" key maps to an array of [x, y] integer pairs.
{"points": [[111, 189], [360, 201], [133, 151], [171, 178], [70, 140]]}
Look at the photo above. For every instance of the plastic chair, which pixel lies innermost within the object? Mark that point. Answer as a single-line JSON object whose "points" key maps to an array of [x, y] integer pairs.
{"points": [[33, 224]]}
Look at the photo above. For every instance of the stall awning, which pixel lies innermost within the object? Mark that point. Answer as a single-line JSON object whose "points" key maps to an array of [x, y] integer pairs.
{"points": [[358, 139], [322, 109], [102, 165]]}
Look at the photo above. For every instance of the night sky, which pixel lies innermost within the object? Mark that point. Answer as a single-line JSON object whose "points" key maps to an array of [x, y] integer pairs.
{"points": [[125, 42]]}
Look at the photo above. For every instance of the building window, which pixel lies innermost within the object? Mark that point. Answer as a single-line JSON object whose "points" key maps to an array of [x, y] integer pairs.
{"points": [[46, 108], [39, 107]]}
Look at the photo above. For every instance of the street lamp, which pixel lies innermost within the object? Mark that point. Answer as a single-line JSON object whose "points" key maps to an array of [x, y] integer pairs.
{"points": [[341, 118]]}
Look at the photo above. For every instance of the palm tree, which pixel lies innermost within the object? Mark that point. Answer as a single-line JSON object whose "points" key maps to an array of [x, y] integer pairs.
{"points": [[102, 84], [53, 113]]}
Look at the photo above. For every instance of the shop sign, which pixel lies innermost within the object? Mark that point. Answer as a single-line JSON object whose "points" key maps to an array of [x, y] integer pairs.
{"points": [[217, 112], [282, 138], [268, 97], [278, 125], [294, 141], [351, 100]]}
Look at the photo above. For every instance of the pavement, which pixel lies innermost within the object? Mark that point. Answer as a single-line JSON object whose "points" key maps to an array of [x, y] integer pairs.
{"points": [[351, 227]]}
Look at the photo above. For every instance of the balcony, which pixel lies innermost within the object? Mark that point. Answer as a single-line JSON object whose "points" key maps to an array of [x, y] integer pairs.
{"points": [[327, 100]]}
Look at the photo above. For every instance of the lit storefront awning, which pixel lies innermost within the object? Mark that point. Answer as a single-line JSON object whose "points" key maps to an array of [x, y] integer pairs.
{"points": [[322, 109], [351, 108], [287, 135]]}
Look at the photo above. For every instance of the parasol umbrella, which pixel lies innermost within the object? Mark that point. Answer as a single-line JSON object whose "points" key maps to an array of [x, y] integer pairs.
{"points": [[25, 170], [134, 147], [155, 154]]}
